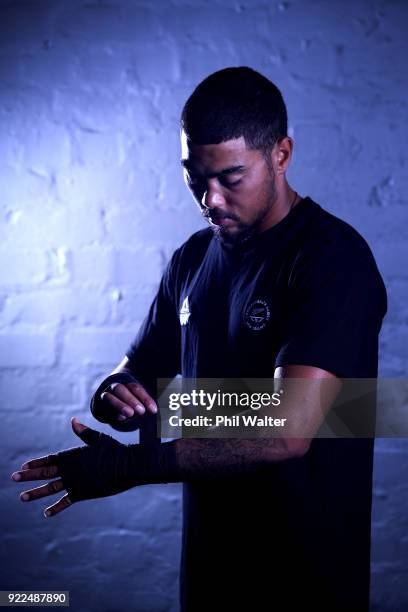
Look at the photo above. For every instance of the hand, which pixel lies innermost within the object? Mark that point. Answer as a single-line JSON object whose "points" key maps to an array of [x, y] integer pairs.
{"points": [[100, 469], [128, 400]]}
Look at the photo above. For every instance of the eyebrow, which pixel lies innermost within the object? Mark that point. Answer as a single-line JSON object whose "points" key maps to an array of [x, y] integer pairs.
{"points": [[186, 164]]}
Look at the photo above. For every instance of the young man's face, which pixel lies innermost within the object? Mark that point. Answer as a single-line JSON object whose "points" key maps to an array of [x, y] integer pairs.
{"points": [[233, 186]]}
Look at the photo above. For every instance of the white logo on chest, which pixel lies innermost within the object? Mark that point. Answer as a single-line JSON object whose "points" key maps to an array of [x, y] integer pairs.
{"points": [[184, 312], [257, 314]]}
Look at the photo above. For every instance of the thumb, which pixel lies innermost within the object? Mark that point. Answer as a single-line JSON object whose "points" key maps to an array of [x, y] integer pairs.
{"points": [[87, 435]]}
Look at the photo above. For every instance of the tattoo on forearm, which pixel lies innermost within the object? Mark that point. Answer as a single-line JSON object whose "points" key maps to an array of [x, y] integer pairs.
{"points": [[209, 459]]}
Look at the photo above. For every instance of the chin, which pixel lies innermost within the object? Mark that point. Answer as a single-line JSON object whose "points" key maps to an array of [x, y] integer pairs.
{"points": [[234, 237]]}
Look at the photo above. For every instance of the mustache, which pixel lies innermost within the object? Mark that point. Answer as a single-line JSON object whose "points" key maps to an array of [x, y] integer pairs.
{"points": [[208, 214]]}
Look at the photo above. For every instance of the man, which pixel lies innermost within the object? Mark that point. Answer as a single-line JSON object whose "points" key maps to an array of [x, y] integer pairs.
{"points": [[276, 287]]}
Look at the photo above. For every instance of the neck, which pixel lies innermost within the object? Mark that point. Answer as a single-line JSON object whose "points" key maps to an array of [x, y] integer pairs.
{"points": [[284, 202]]}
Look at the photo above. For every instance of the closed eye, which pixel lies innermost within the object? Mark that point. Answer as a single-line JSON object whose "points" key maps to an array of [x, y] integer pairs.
{"points": [[199, 182], [191, 179], [229, 183]]}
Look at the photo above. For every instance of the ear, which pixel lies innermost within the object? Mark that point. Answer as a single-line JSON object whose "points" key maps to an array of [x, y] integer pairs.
{"points": [[283, 154]]}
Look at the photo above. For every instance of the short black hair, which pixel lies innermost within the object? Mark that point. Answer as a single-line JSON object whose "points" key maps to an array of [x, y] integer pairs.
{"points": [[235, 102]]}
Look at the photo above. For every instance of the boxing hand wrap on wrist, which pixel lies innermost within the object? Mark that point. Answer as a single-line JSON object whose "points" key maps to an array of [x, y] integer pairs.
{"points": [[106, 467], [100, 410]]}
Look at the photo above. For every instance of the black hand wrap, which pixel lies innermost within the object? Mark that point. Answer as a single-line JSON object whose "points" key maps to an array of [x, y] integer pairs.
{"points": [[106, 467], [108, 414]]}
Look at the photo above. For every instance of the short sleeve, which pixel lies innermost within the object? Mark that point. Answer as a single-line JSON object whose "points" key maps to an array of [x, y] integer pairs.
{"points": [[155, 351], [335, 306]]}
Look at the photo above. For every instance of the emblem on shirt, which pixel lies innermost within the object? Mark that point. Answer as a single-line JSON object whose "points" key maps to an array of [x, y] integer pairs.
{"points": [[184, 312], [257, 314]]}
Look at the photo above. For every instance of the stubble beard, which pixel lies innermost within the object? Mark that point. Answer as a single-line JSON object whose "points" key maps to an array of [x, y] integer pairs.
{"points": [[245, 232]]}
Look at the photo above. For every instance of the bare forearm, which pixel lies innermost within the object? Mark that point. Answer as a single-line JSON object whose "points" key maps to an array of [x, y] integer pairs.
{"points": [[209, 459]]}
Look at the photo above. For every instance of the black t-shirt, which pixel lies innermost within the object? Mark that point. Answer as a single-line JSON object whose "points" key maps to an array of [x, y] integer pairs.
{"points": [[306, 291]]}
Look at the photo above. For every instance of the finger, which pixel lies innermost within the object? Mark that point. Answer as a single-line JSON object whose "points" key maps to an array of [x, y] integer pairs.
{"points": [[87, 435], [59, 506], [39, 462], [40, 473], [129, 405], [78, 427], [120, 406], [141, 393], [122, 392], [49, 489]]}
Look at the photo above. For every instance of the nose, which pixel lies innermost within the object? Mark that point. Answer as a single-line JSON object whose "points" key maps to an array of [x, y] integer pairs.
{"points": [[212, 198]]}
